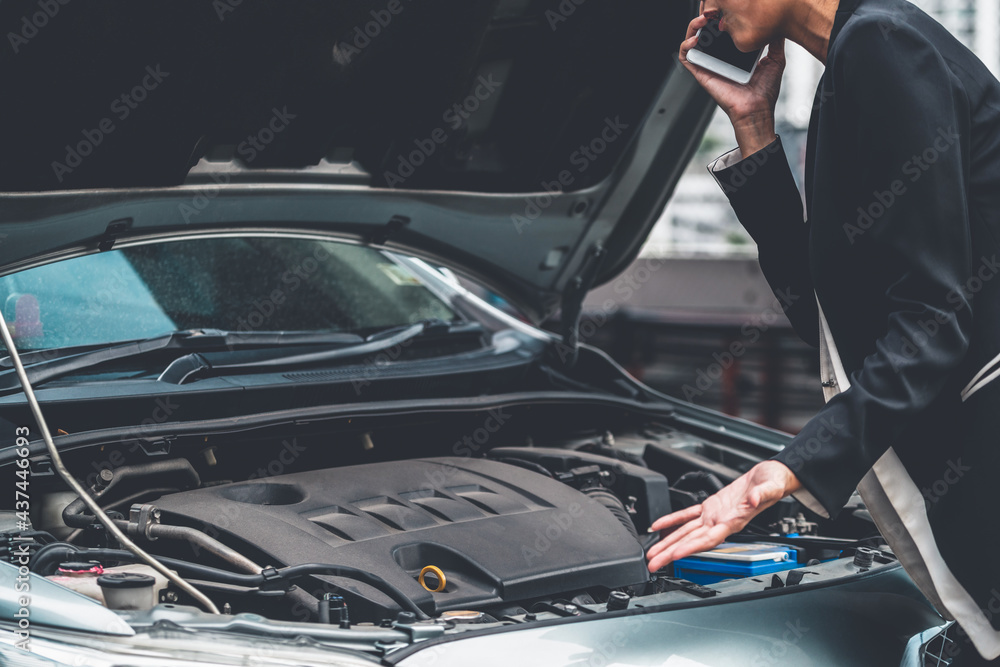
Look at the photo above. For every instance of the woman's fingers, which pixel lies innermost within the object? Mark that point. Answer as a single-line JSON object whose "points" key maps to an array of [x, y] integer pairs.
{"points": [[674, 537], [703, 539], [691, 39], [696, 24], [705, 526], [668, 554], [675, 518], [776, 49], [676, 534]]}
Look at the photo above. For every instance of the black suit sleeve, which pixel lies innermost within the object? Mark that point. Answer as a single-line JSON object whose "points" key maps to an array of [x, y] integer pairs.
{"points": [[762, 191], [900, 105]]}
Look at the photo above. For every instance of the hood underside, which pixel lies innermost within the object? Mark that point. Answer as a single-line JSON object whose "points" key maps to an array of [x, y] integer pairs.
{"points": [[457, 108]]}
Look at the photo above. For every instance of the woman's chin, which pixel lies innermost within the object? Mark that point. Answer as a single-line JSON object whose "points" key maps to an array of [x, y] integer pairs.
{"points": [[746, 46]]}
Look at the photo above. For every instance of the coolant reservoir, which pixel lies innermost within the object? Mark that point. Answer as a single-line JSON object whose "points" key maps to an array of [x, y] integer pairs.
{"points": [[128, 590], [82, 577]]}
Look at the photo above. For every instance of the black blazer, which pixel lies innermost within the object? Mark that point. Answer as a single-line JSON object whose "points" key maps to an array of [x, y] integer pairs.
{"points": [[902, 248]]}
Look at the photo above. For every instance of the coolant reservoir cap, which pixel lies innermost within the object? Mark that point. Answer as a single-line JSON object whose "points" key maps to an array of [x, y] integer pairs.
{"points": [[80, 567], [125, 580]]}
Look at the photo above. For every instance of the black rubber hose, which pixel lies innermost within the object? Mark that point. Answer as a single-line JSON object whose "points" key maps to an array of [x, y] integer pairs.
{"points": [[73, 515], [56, 552], [615, 506], [48, 558], [373, 580], [528, 465], [52, 554], [713, 482], [145, 493]]}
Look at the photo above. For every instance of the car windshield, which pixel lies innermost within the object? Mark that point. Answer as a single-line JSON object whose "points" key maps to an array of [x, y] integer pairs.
{"points": [[239, 284]]}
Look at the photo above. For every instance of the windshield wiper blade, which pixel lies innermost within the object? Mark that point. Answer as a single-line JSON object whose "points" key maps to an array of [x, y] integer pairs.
{"points": [[192, 366], [50, 369]]}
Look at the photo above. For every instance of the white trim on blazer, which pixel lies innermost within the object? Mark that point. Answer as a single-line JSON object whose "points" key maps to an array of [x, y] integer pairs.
{"points": [[978, 381], [899, 512]]}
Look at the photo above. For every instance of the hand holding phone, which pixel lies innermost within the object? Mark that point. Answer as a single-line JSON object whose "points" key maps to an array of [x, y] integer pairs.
{"points": [[748, 98], [716, 52]]}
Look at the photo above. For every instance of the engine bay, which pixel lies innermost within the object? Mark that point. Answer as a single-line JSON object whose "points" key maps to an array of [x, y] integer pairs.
{"points": [[492, 530], [413, 519]]}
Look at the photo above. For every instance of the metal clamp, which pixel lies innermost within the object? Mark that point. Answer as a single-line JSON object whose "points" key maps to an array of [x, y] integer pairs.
{"points": [[141, 518]]}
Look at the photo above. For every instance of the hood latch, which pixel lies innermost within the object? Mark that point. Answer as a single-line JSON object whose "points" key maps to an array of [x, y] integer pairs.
{"points": [[111, 233]]}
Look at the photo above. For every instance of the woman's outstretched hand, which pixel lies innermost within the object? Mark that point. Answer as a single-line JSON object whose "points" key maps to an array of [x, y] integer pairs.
{"points": [[750, 106], [707, 525]]}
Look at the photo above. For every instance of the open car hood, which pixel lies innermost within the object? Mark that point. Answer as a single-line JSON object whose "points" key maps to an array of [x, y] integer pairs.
{"points": [[530, 144]]}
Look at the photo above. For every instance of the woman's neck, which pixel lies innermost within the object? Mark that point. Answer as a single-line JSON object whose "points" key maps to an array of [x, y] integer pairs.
{"points": [[809, 25]]}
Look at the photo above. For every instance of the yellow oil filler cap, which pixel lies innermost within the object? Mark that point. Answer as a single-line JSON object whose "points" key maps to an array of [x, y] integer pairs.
{"points": [[438, 573]]}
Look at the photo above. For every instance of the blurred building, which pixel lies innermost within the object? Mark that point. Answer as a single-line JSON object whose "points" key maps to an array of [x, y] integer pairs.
{"points": [[710, 331], [975, 22]]}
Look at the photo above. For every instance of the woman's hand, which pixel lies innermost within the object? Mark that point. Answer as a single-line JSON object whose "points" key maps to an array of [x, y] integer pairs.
{"points": [[750, 106], [705, 526]]}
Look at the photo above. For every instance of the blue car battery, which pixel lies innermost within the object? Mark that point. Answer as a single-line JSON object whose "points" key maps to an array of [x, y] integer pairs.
{"points": [[732, 560]]}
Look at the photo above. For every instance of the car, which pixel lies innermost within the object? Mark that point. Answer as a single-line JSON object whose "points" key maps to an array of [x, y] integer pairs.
{"points": [[276, 390]]}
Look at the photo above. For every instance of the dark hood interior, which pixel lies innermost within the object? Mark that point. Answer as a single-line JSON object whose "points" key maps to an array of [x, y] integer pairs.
{"points": [[564, 66]]}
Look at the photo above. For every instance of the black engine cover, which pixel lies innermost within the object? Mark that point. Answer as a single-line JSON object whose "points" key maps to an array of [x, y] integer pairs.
{"points": [[499, 532]]}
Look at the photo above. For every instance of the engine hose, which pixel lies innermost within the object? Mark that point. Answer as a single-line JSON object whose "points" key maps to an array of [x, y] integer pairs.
{"points": [[54, 554], [615, 506], [528, 465], [74, 514], [713, 482]]}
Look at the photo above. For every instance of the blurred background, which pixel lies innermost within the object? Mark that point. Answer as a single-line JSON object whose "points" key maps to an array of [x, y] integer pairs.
{"points": [[694, 317]]}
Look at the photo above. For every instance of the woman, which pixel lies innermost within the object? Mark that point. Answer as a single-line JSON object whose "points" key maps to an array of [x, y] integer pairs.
{"points": [[893, 276]]}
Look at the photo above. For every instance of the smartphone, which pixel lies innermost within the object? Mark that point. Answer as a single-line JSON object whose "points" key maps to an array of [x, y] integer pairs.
{"points": [[716, 52]]}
